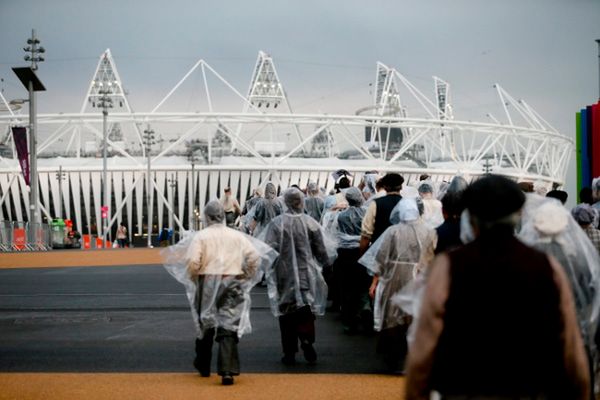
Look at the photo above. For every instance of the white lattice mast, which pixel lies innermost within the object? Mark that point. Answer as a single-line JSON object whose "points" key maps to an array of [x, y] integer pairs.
{"points": [[387, 96], [266, 92], [444, 112]]}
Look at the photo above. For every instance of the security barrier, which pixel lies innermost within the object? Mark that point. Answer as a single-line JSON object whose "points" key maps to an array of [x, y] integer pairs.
{"points": [[24, 236]]}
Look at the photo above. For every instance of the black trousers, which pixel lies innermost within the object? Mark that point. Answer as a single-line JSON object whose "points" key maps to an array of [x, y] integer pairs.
{"points": [[228, 361], [355, 282], [391, 343], [297, 325]]}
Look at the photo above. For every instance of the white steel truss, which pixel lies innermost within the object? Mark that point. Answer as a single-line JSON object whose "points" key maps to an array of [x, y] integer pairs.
{"points": [[525, 147]]}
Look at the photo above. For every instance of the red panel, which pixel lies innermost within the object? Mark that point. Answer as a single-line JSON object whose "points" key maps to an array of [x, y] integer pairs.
{"points": [[595, 134]]}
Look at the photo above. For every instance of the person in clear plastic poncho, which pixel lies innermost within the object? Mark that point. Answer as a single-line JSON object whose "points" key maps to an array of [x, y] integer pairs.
{"points": [[549, 227], [433, 215], [313, 203], [351, 277], [265, 210], [395, 259], [296, 288], [218, 267]]}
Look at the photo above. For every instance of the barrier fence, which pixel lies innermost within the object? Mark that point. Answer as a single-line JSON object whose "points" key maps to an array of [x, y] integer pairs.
{"points": [[24, 236]]}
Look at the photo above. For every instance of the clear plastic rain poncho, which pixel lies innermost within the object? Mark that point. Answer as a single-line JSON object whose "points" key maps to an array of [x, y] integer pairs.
{"points": [[218, 266], [549, 227], [432, 215], [348, 222], [266, 209], [313, 203], [295, 280], [402, 253]]}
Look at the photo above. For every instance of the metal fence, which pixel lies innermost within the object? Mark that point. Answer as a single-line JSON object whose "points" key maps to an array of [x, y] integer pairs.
{"points": [[24, 236]]}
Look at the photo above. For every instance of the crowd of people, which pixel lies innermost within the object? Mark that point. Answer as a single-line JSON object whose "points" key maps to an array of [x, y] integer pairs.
{"points": [[489, 289]]}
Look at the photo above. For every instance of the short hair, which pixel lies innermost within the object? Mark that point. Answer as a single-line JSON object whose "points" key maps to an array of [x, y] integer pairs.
{"points": [[560, 195]]}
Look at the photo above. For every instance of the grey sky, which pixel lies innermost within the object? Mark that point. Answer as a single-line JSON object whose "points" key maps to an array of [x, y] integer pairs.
{"points": [[540, 50]]}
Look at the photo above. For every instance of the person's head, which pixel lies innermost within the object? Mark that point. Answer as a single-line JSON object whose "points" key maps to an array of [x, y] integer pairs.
{"points": [[584, 214], [213, 213], [392, 182], [425, 190], [457, 184], [122, 224], [550, 219], [343, 183], [227, 191], [294, 200], [452, 205], [354, 197], [560, 195], [270, 191], [493, 201], [408, 210], [585, 196], [596, 189], [312, 189], [424, 177]]}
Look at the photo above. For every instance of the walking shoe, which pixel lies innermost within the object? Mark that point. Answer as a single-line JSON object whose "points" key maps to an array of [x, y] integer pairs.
{"points": [[227, 380], [288, 359], [205, 373], [310, 355]]}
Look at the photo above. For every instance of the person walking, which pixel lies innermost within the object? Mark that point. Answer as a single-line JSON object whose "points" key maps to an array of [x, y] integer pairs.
{"points": [[218, 267], [297, 290], [122, 235], [497, 319], [231, 207]]}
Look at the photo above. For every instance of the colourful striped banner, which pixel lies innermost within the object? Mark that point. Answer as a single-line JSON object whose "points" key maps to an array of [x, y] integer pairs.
{"points": [[588, 145]]}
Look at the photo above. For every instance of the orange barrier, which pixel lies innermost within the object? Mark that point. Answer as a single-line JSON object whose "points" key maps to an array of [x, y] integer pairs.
{"points": [[87, 241], [19, 238]]}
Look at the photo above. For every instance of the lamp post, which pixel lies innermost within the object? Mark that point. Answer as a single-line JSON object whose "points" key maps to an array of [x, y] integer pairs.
{"points": [[172, 184], [30, 80], [149, 140], [60, 175]]}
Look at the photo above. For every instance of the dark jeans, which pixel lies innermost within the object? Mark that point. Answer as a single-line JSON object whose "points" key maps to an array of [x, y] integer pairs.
{"points": [[122, 243], [355, 282], [297, 325], [228, 361]]}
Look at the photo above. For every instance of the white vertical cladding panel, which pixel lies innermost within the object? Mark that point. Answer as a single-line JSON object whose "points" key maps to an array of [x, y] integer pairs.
{"points": [[128, 184], [224, 182], [190, 201], [55, 196], [294, 179], [305, 176], [357, 178], [139, 199], [234, 182], [44, 193], [24, 189], [285, 179], [96, 192], [213, 185], [16, 195], [118, 193], [4, 181], [255, 180], [74, 178], [181, 185], [323, 179], [65, 196], [85, 189], [2, 177], [160, 181], [244, 183], [202, 187], [170, 200]]}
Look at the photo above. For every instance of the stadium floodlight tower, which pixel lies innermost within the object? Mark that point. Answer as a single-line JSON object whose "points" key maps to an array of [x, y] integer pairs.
{"points": [[444, 110], [105, 88], [266, 92]]}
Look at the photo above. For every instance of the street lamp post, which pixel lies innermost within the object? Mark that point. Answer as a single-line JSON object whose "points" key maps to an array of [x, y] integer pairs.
{"points": [[148, 142], [30, 80], [60, 175]]}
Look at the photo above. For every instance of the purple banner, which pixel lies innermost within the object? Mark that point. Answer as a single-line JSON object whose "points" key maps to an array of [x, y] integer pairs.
{"points": [[20, 138]]}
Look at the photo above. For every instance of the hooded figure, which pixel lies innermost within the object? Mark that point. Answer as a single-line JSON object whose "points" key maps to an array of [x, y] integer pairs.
{"points": [[313, 203], [395, 259], [218, 267], [548, 227], [265, 210], [432, 214], [349, 276], [585, 216], [295, 282]]}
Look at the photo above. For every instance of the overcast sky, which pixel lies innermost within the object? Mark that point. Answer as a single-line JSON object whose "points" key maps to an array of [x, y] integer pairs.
{"points": [[540, 50]]}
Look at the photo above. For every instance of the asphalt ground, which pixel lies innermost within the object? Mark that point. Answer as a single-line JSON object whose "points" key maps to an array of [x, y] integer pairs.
{"points": [[126, 331]]}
